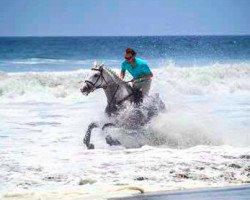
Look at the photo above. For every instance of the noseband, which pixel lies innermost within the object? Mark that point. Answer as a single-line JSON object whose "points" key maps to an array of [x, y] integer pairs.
{"points": [[92, 85]]}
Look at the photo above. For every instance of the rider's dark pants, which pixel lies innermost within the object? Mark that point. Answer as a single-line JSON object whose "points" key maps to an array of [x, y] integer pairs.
{"points": [[144, 86]]}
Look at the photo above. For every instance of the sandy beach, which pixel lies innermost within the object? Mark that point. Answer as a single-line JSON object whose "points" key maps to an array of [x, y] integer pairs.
{"points": [[224, 193]]}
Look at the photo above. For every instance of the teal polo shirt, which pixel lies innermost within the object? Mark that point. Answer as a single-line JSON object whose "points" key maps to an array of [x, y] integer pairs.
{"points": [[139, 70]]}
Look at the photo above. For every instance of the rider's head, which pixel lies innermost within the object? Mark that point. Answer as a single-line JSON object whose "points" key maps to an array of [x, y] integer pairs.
{"points": [[130, 55]]}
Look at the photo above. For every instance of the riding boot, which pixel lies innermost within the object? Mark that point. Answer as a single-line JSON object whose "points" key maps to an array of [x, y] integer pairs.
{"points": [[138, 96]]}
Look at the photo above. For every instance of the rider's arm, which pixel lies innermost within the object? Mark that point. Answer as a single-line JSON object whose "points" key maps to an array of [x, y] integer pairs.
{"points": [[147, 71], [122, 74], [146, 77]]}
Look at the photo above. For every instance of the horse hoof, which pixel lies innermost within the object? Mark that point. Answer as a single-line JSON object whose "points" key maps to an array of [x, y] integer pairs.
{"points": [[111, 141], [92, 125], [91, 146]]}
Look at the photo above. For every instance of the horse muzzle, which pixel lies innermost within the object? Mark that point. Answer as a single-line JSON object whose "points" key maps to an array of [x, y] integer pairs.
{"points": [[85, 90]]}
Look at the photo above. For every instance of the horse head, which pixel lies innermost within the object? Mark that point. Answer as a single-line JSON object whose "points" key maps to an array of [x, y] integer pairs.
{"points": [[95, 80]]}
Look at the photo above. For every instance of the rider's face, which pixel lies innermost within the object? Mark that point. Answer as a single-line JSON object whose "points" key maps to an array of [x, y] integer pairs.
{"points": [[129, 58]]}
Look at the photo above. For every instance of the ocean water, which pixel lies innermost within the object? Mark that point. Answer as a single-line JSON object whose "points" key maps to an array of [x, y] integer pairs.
{"points": [[202, 140]]}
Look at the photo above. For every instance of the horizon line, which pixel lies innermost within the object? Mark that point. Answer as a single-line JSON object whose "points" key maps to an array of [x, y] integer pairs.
{"points": [[125, 35]]}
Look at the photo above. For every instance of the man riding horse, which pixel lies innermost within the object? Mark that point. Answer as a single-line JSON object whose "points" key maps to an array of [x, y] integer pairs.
{"points": [[140, 71], [120, 93]]}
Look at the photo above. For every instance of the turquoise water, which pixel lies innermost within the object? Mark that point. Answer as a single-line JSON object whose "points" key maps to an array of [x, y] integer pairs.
{"points": [[71, 53]]}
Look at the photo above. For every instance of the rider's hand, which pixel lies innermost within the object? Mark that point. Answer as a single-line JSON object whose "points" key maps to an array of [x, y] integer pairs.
{"points": [[134, 80]]}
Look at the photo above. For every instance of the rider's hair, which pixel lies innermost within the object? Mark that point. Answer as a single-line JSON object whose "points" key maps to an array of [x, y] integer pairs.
{"points": [[131, 51]]}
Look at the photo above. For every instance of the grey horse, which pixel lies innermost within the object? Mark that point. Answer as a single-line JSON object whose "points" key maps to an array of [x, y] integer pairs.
{"points": [[119, 95]]}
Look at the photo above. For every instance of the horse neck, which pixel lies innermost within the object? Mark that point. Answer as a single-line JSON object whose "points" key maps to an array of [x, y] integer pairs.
{"points": [[116, 89]]}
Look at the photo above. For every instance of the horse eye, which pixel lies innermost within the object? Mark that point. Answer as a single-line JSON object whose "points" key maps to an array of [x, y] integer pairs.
{"points": [[96, 75]]}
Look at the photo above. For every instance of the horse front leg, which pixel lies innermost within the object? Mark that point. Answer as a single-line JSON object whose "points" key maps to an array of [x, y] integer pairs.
{"points": [[107, 125], [108, 138], [86, 139]]}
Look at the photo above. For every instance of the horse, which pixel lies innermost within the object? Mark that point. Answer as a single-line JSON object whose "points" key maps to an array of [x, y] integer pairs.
{"points": [[119, 96]]}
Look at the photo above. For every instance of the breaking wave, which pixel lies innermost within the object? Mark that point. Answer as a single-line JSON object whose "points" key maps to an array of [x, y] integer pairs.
{"points": [[170, 79]]}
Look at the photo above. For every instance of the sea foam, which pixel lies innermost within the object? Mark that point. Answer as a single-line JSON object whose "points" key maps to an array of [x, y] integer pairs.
{"points": [[216, 78]]}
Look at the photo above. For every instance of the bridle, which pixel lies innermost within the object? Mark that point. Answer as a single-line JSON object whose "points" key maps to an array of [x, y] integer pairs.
{"points": [[92, 85]]}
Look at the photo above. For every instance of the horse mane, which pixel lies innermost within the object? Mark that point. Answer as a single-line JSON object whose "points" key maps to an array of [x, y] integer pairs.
{"points": [[113, 74]]}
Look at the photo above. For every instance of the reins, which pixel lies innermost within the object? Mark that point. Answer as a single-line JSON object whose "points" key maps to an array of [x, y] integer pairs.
{"points": [[93, 85]]}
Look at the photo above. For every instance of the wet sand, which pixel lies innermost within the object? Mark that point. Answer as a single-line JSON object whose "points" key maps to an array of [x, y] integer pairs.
{"points": [[228, 193]]}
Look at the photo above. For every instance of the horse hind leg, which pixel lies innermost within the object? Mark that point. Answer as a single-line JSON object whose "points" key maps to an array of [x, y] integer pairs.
{"points": [[86, 139]]}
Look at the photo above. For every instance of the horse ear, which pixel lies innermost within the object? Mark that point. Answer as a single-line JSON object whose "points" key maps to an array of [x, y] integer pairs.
{"points": [[94, 63], [101, 66]]}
